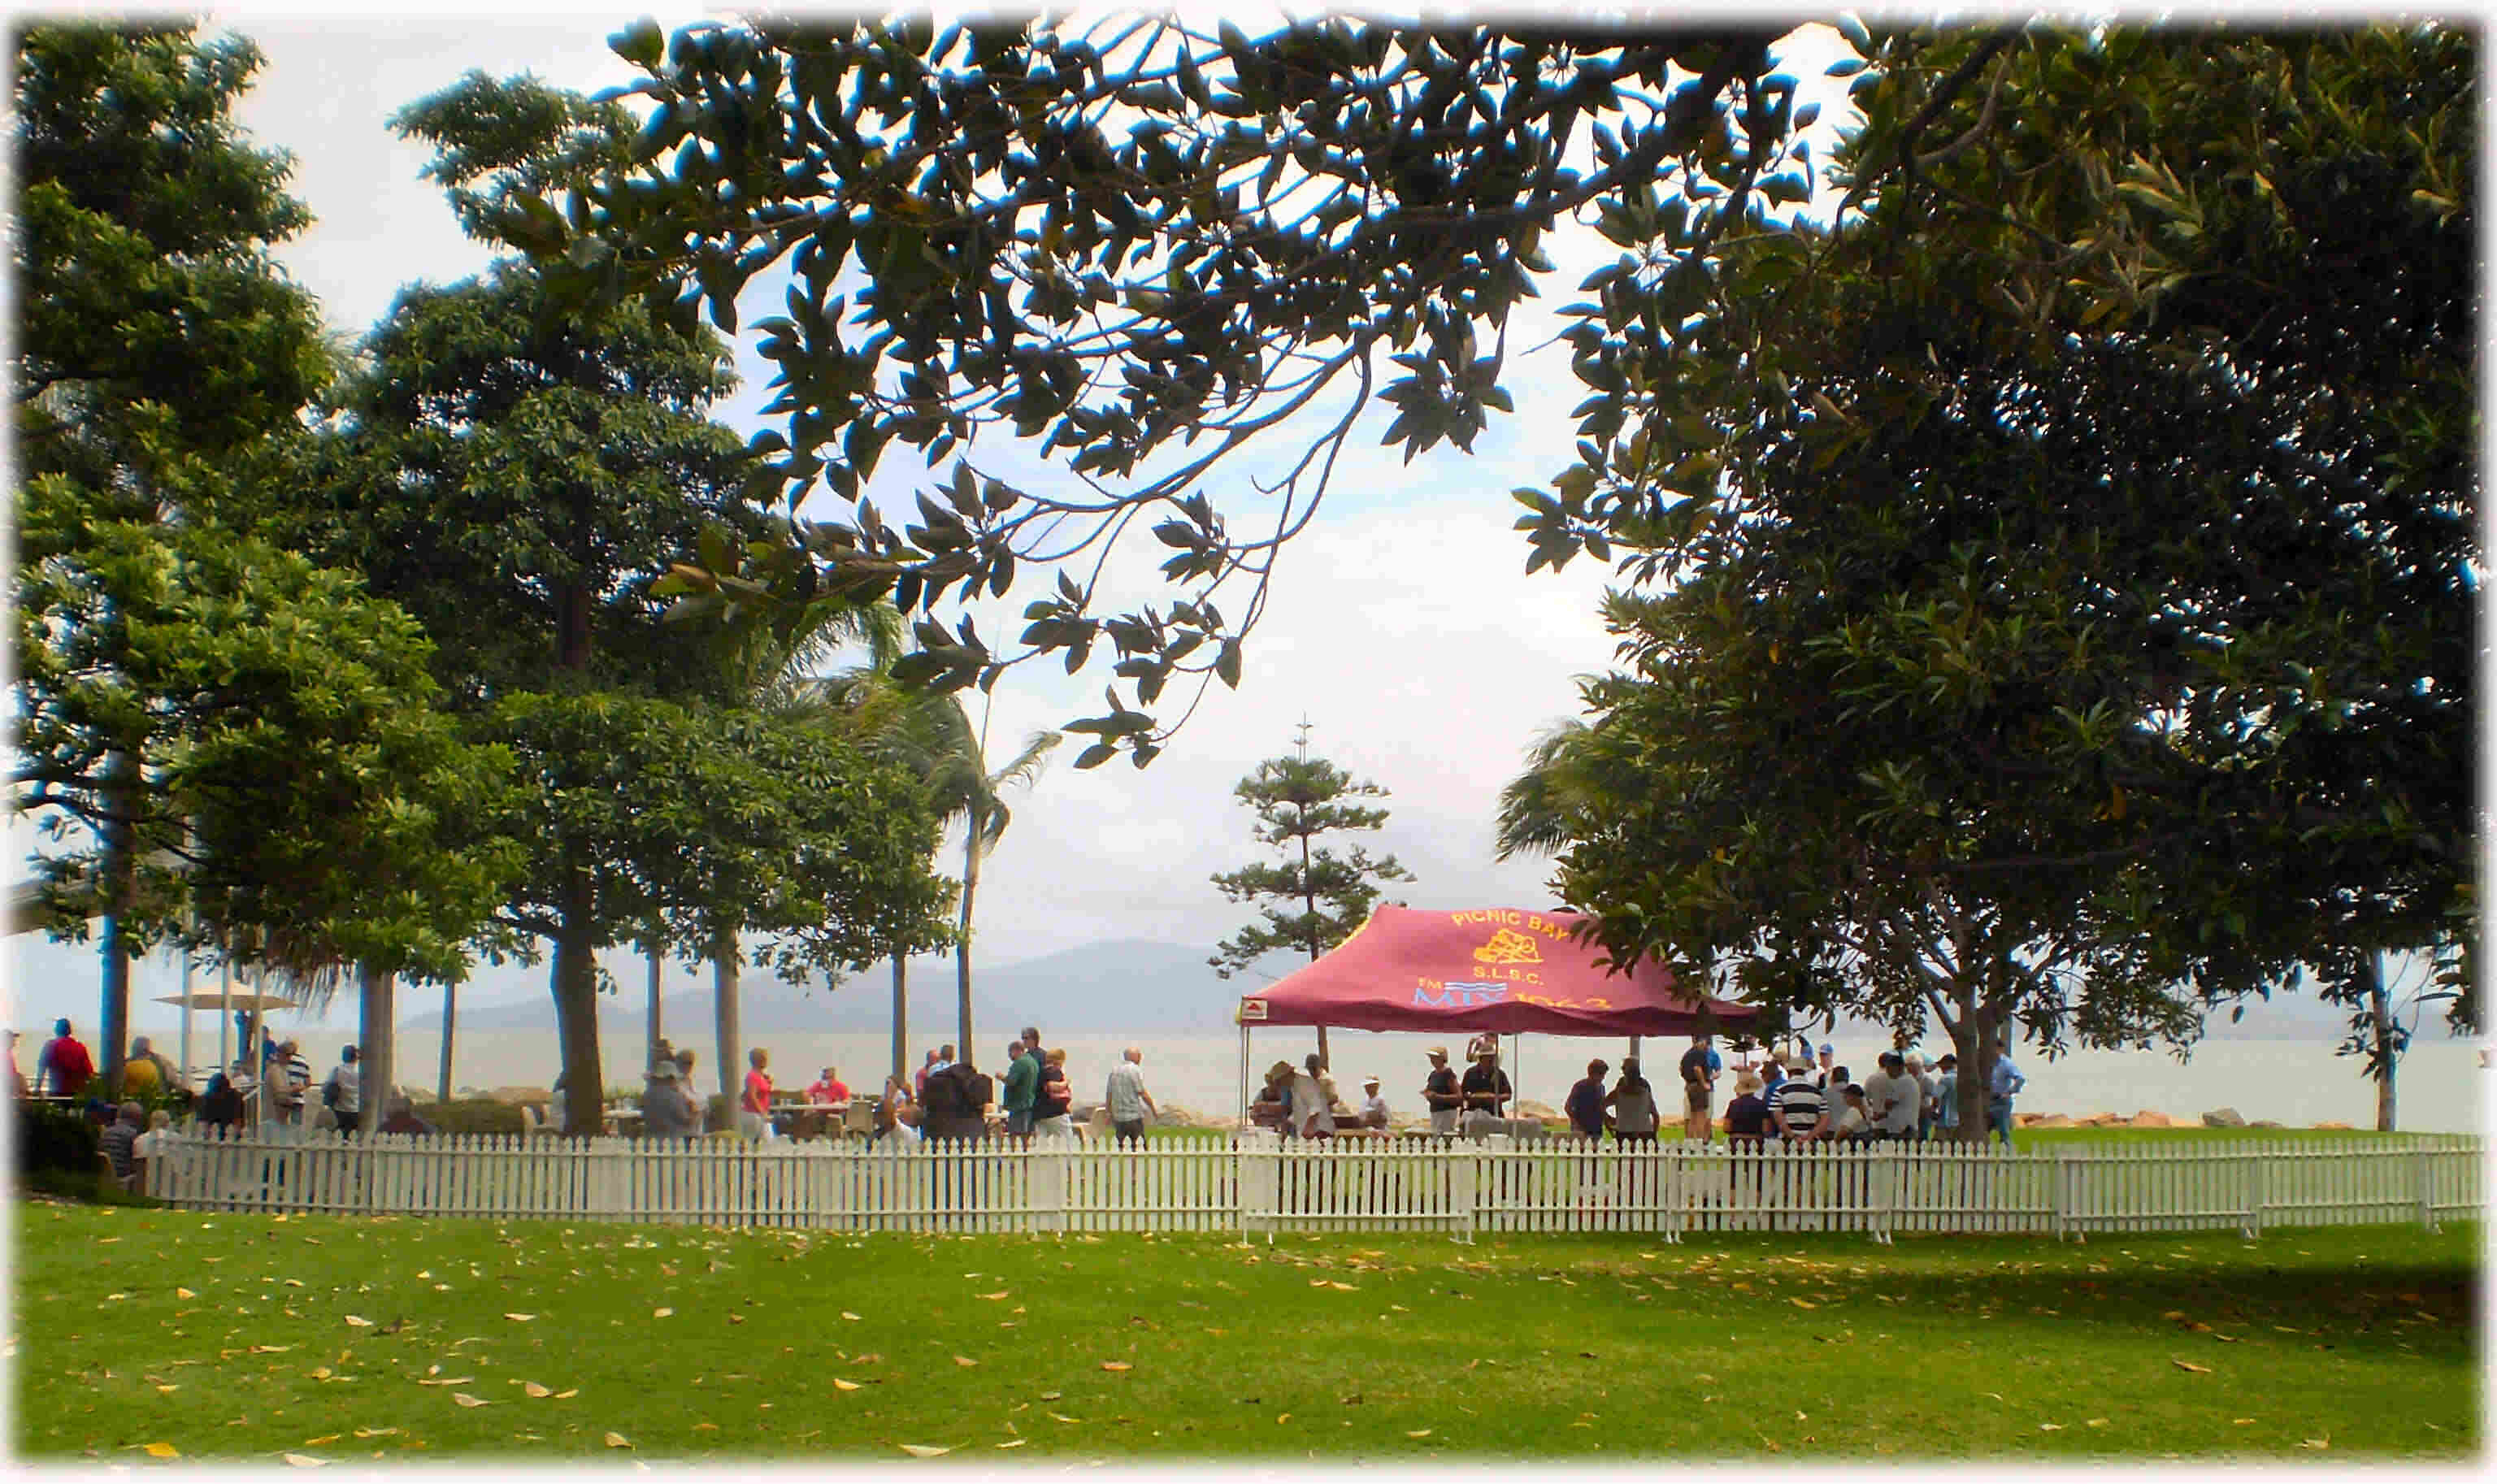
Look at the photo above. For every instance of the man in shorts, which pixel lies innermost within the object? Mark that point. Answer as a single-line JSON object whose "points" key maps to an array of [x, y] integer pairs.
{"points": [[1698, 1092]]}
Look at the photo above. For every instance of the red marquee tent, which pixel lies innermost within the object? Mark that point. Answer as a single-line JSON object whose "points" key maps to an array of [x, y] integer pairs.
{"points": [[1500, 969], [1503, 970]]}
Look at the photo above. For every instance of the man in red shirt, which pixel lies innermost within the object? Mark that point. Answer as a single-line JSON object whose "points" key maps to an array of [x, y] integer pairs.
{"points": [[754, 1106], [828, 1088], [63, 1068]]}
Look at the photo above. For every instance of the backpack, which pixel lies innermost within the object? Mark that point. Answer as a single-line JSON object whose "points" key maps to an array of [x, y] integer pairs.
{"points": [[942, 1095], [330, 1092]]}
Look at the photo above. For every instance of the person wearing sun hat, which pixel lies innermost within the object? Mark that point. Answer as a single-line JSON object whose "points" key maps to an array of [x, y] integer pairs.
{"points": [[1439, 1093], [1372, 1113]]}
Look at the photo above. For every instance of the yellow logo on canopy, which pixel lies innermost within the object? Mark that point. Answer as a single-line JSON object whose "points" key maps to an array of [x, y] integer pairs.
{"points": [[1508, 946]]}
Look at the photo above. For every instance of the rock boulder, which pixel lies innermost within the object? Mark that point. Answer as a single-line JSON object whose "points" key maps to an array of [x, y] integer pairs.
{"points": [[2264, 1124], [2150, 1118], [2224, 1117], [2327, 1125]]}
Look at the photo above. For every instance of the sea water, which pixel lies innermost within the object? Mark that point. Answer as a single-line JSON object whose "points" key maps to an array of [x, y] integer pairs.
{"points": [[2441, 1086]]}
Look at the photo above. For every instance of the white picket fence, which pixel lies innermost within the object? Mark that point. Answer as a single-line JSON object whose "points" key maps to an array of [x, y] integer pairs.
{"points": [[1259, 1182]]}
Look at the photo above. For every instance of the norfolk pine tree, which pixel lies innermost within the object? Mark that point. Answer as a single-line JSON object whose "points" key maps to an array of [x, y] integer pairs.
{"points": [[1297, 799]]}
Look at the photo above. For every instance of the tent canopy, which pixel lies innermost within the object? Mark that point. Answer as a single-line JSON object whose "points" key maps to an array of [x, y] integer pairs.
{"points": [[1501, 969]]}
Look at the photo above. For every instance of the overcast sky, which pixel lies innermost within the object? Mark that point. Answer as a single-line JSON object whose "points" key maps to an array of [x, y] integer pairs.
{"points": [[1402, 625]]}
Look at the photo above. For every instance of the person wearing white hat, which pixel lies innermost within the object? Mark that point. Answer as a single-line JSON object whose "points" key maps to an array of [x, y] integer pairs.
{"points": [[1373, 1108], [1441, 1094]]}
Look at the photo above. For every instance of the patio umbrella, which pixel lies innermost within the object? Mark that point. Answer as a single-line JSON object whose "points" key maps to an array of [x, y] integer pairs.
{"points": [[228, 999]]}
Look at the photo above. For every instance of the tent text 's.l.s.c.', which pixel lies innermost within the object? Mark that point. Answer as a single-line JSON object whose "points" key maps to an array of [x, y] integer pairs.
{"points": [[1507, 970]]}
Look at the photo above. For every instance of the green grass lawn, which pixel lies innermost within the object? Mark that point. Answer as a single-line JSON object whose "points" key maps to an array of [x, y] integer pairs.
{"points": [[245, 1337]]}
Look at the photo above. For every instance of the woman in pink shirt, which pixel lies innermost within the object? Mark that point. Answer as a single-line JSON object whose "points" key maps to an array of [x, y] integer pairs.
{"points": [[754, 1106]]}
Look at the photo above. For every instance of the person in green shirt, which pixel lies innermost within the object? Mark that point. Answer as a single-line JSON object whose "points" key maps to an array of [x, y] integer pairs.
{"points": [[1023, 1085]]}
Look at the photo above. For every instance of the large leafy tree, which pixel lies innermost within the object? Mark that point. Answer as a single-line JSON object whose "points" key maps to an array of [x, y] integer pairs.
{"points": [[1314, 898], [231, 746], [2075, 553], [1145, 244]]}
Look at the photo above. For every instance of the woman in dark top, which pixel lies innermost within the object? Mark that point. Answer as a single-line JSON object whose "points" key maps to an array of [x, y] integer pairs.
{"points": [[221, 1106], [1746, 1117]]}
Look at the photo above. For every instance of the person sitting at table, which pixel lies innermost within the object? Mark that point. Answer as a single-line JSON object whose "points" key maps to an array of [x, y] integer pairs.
{"points": [[828, 1088], [1373, 1108], [668, 1107]]}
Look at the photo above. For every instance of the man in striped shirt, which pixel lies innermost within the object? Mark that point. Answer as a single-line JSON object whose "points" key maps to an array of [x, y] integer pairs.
{"points": [[1802, 1107]]}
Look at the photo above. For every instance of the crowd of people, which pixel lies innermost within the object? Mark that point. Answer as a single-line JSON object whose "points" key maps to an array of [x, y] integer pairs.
{"points": [[1786, 1099], [947, 1096]]}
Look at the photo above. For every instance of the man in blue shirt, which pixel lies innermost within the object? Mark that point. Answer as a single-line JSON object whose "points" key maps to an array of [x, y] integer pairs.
{"points": [[2005, 1081]]}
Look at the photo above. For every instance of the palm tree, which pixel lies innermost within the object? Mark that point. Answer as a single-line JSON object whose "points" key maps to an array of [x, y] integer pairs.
{"points": [[980, 795], [1542, 809], [931, 735]]}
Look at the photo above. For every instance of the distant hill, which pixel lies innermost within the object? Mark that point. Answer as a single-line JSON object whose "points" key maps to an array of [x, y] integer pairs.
{"points": [[1114, 986]]}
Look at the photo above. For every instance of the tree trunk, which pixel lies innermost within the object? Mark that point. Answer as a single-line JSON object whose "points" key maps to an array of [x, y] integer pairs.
{"points": [[2380, 1009], [723, 990], [120, 870], [963, 940], [450, 1024], [900, 1017], [1970, 1043], [576, 1018], [376, 1025], [651, 1052]]}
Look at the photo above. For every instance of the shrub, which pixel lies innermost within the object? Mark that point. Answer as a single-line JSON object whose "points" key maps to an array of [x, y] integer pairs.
{"points": [[472, 1116], [53, 1138]]}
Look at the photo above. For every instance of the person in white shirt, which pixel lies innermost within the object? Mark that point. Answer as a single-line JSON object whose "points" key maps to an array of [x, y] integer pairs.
{"points": [[1373, 1108], [1313, 1100], [1127, 1100], [1891, 1098], [1851, 1125]]}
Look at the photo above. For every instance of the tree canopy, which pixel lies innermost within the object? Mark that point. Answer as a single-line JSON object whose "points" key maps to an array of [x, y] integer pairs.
{"points": [[2073, 558], [227, 744], [1145, 246]]}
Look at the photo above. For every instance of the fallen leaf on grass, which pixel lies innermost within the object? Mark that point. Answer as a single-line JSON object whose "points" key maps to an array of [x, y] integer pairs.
{"points": [[1051, 1395], [1061, 1417], [1803, 1303], [304, 1461], [2241, 1422], [532, 1388], [1015, 1443], [706, 1427], [359, 1321], [2097, 1422], [163, 1450], [170, 1387], [999, 1294], [1343, 1287], [279, 1349], [846, 1315], [924, 1450], [184, 1293], [2050, 1427], [965, 1360], [618, 1440], [842, 1386], [2227, 1338], [1420, 1432], [519, 1318], [2317, 1443], [465, 1400], [662, 1314], [2187, 1365], [1115, 1364], [448, 1380], [374, 1431]]}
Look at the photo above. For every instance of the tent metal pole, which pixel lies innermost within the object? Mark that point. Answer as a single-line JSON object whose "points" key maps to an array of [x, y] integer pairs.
{"points": [[1243, 1104]]}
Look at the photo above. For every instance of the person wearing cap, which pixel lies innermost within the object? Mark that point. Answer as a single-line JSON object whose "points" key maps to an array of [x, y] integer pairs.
{"points": [[1853, 1124], [1486, 1093], [1585, 1104], [1886, 1095], [1773, 1077], [1946, 1096], [1439, 1093], [1373, 1108], [1821, 1073]]}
